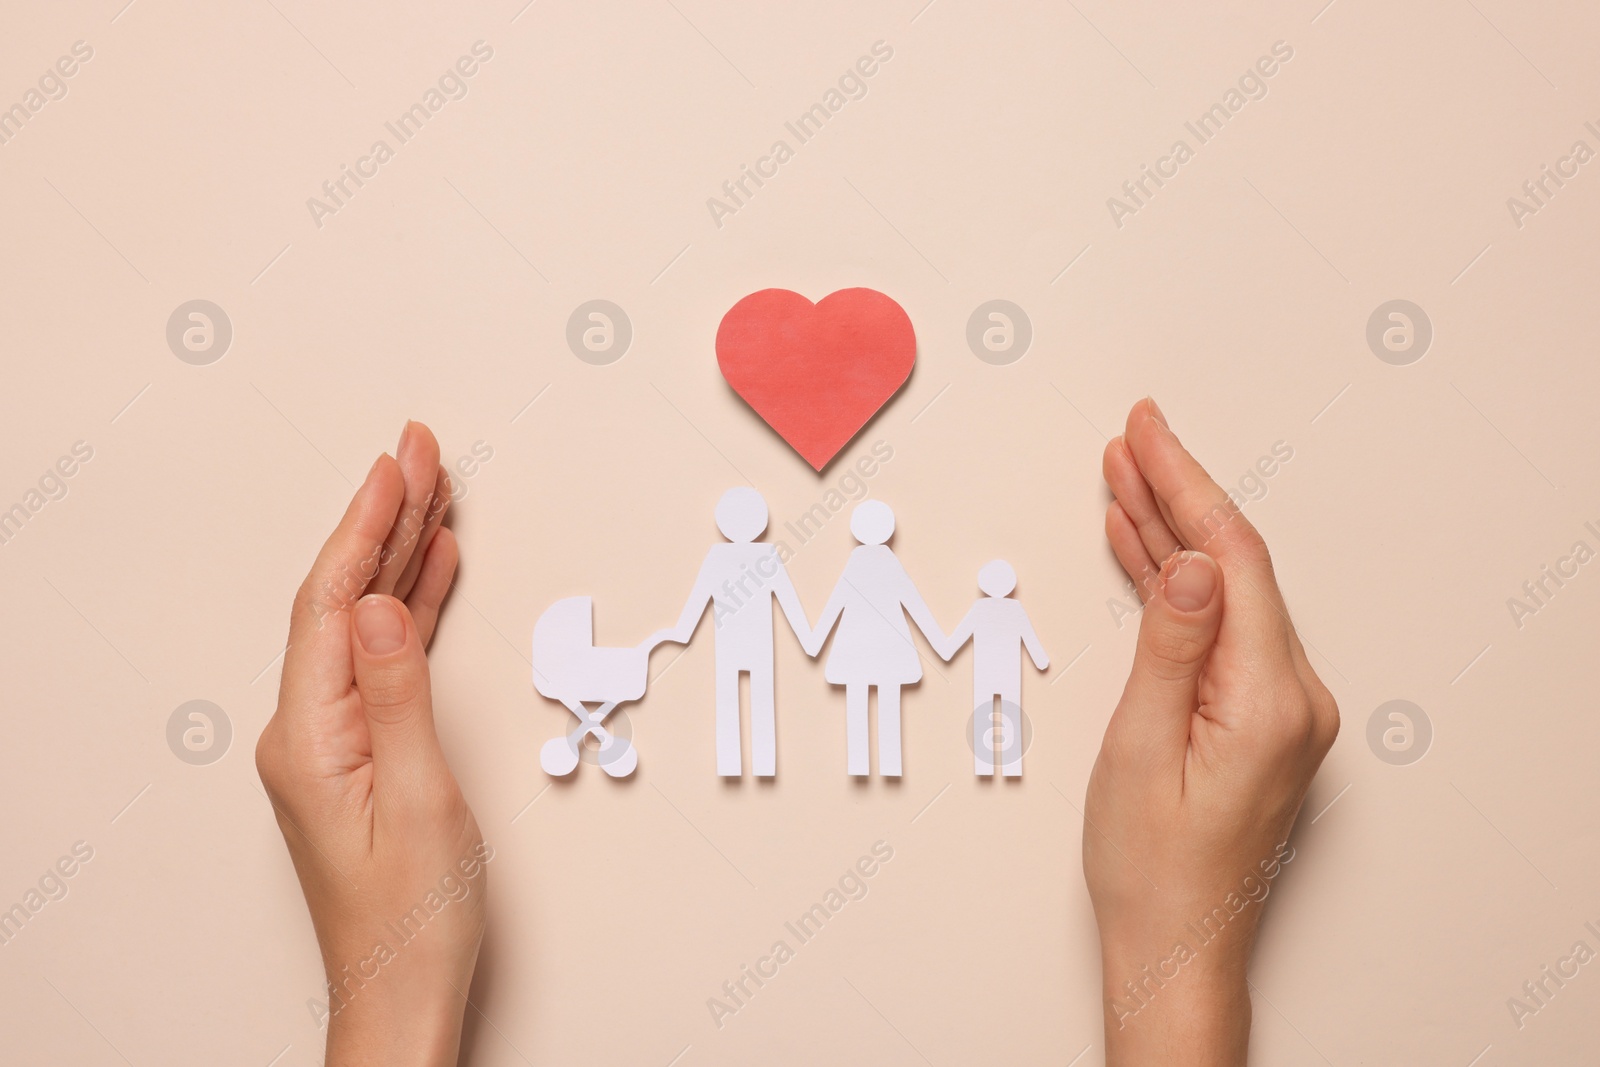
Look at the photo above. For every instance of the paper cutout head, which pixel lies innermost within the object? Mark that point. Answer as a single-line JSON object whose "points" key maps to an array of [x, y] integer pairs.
{"points": [[741, 515], [997, 578], [872, 522]]}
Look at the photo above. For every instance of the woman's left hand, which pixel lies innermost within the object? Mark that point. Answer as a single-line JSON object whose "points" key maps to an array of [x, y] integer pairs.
{"points": [[388, 853]]}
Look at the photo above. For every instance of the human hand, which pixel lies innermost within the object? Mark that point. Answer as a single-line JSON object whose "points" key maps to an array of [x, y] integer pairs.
{"points": [[1205, 761], [389, 855]]}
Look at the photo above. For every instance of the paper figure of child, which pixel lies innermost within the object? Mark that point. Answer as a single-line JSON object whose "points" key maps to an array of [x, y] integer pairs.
{"points": [[740, 579], [873, 646], [996, 625]]}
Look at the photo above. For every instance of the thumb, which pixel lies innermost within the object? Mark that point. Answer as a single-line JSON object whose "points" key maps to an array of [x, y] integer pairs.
{"points": [[391, 674], [1175, 637]]}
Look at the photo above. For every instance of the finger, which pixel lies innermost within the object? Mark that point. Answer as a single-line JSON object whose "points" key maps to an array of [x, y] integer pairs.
{"points": [[316, 665], [1176, 636], [418, 454], [433, 582], [1122, 474], [391, 674], [1130, 551], [1204, 516], [1206, 519], [439, 501], [1161, 505]]}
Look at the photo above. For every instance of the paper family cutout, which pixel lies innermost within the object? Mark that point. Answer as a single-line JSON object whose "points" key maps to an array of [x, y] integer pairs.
{"points": [[816, 373], [742, 621], [567, 667], [872, 648]]}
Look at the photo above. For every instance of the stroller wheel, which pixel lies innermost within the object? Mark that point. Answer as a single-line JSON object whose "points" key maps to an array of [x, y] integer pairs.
{"points": [[558, 757], [618, 757]]}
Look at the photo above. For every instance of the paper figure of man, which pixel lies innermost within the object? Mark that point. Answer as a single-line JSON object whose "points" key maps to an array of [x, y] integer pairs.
{"points": [[740, 579], [996, 624]]}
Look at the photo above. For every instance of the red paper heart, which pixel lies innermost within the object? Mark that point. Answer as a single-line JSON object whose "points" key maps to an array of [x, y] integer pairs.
{"points": [[816, 372]]}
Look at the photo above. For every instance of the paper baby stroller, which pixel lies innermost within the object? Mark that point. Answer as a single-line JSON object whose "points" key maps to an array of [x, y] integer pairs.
{"points": [[567, 667]]}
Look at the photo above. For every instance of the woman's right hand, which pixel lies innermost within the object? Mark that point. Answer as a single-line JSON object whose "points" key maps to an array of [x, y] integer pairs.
{"points": [[1205, 762]]}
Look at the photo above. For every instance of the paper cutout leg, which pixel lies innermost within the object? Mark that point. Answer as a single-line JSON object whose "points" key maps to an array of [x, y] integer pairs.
{"points": [[730, 761], [763, 723], [855, 729], [1011, 739], [983, 738], [889, 731]]}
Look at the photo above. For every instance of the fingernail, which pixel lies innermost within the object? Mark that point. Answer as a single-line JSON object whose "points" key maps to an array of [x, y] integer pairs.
{"points": [[405, 435], [379, 626], [1189, 580], [1155, 409]]}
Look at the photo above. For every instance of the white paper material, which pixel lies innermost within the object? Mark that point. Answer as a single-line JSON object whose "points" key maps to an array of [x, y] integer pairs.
{"points": [[740, 579], [872, 646], [567, 667], [872, 650], [997, 625]]}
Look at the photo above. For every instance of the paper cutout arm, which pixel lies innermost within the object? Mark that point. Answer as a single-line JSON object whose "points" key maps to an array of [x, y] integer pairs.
{"points": [[830, 615], [789, 600], [920, 614], [960, 636], [693, 610], [1031, 641]]}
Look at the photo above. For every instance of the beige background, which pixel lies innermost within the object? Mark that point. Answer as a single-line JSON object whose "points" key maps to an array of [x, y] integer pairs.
{"points": [[1418, 500]]}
